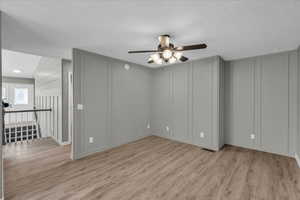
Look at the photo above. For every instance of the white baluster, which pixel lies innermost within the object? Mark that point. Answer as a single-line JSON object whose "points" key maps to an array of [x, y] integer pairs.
{"points": [[5, 136], [9, 126], [27, 126], [21, 126], [16, 127]]}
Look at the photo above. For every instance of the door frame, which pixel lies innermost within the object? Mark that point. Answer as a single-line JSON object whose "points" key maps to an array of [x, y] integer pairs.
{"points": [[70, 112]]}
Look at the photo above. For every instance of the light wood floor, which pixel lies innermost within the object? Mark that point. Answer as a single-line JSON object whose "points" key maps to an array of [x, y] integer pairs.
{"points": [[149, 169]]}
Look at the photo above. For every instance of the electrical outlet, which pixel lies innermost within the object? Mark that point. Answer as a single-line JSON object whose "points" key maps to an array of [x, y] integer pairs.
{"points": [[167, 128], [252, 136], [79, 107], [91, 140], [202, 135]]}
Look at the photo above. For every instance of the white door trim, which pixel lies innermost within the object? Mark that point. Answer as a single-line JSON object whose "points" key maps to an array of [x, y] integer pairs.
{"points": [[70, 111]]}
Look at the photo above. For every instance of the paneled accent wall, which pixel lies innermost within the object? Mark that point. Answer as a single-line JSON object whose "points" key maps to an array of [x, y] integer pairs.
{"points": [[187, 102], [261, 103], [251, 102], [115, 102], [50, 122]]}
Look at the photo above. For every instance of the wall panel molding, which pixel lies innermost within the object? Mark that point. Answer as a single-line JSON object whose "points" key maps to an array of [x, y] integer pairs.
{"points": [[272, 89], [227, 101], [192, 104], [116, 102]]}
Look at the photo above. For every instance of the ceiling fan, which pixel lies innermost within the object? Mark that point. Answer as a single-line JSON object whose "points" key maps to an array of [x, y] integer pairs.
{"points": [[167, 52]]}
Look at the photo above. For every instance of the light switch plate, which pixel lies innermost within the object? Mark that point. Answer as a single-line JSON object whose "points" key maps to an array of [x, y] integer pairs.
{"points": [[252, 136], [79, 107], [91, 140]]}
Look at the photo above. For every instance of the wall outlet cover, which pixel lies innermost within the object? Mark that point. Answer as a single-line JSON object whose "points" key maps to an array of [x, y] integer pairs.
{"points": [[167, 128], [79, 107], [127, 67], [252, 136], [91, 140]]}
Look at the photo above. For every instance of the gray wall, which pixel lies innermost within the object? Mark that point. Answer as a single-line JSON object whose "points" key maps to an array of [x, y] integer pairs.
{"points": [[66, 68], [116, 102], [6, 79], [256, 96], [186, 100], [261, 99]]}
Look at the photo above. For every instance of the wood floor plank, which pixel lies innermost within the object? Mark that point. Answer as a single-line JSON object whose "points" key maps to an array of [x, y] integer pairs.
{"points": [[152, 168]]}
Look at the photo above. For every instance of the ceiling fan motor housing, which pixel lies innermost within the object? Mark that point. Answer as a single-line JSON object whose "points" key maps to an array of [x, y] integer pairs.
{"points": [[164, 41]]}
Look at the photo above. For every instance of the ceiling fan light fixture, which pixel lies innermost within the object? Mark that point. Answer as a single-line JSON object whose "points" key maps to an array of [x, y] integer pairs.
{"points": [[150, 60], [158, 61], [164, 40], [172, 60], [167, 54], [155, 56], [177, 55]]}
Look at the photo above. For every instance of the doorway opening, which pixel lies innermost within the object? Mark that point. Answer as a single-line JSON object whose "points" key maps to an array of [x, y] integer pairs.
{"points": [[37, 96]]}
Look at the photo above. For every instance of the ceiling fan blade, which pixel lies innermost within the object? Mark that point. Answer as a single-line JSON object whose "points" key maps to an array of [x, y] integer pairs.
{"points": [[143, 51], [183, 59], [191, 47]]}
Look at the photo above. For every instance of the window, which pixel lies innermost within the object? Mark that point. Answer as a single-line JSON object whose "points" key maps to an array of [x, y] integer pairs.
{"points": [[4, 93], [21, 96]]}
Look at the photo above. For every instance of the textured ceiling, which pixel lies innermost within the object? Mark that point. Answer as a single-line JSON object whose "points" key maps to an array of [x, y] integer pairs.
{"points": [[232, 29]]}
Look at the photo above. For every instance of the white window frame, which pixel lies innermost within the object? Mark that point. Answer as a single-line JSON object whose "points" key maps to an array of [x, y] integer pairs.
{"points": [[4, 92], [27, 96]]}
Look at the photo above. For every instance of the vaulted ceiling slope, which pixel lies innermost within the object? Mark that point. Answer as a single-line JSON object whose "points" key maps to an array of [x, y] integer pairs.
{"points": [[231, 28]]}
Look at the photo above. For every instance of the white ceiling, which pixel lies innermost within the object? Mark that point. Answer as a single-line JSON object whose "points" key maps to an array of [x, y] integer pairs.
{"points": [[26, 63], [231, 28]]}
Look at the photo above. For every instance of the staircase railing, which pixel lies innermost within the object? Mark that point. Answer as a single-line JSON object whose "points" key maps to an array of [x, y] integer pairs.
{"points": [[22, 125]]}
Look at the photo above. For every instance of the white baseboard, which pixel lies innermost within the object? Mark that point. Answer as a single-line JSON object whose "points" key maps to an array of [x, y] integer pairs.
{"points": [[59, 142], [65, 143], [297, 159]]}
